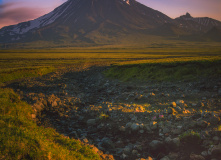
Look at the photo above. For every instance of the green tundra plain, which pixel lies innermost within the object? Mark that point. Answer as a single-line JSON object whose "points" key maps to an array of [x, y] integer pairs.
{"points": [[22, 138]]}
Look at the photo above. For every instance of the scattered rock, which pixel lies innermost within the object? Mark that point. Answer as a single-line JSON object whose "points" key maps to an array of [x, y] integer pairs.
{"points": [[216, 151], [165, 158], [180, 102], [219, 91], [156, 145], [91, 122], [122, 129], [214, 120], [89, 95], [107, 143], [173, 104], [172, 143], [153, 125], [202, 124], [171, 111], [135, 127], [196, 157]]}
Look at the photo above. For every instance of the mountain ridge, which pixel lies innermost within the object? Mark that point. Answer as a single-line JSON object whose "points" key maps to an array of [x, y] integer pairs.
{"points": [[103, 22]]}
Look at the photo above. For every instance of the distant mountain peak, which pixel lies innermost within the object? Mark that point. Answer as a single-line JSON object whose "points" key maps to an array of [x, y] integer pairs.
{"points": [[102, 22], [186, 16]]}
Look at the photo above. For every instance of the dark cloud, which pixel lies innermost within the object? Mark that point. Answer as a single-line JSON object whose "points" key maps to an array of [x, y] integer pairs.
{"points": [[11, 14], [5, 6]]}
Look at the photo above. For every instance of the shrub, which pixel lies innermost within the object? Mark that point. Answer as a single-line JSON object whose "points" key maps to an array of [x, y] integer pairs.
{"points": [[190, 137]]}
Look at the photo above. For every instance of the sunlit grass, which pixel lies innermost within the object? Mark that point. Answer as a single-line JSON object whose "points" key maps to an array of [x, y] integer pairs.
{"points": [[21, 138], [166, 70]]}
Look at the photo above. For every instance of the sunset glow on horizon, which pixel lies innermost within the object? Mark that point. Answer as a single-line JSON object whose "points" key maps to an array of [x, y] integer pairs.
{"points": [[13, 12]]}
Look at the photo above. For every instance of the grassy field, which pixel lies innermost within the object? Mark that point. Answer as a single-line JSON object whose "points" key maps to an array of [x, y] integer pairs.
{"points": [[17, 64], [167, 71], [21, 138]]}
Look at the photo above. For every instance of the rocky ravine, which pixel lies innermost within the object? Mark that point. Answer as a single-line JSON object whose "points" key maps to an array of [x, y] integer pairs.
{"points": [[129, 120]]}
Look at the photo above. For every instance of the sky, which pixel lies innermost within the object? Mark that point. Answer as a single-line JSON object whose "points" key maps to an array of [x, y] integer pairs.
{"points": [[15, 11]]}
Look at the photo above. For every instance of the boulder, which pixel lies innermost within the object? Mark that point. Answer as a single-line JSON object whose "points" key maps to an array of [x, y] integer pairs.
{"points": [[165, 158], [180, 102], [91, 122], [172, 143], [107, 143], [135, 127], [153, 125], [202, 124], [214, 120], [156, 145], [171, 111], [173, 104], [196, 157], [216, 151]]}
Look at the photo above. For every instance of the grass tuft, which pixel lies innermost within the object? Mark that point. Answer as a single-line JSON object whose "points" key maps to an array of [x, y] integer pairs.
{"points": [[21, 138], [173, 71]]}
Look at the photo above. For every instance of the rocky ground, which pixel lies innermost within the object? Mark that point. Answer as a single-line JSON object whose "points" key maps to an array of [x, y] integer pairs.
{"points": [[136, 120]]}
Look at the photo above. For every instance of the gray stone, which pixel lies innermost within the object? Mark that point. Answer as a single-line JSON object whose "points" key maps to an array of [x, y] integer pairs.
{"points": [[141, 131], [176, 142], [214, 119], [91, 122], [127, 150], [177, 131], [73, 134], [138, 147], [166, 130], [135, 127], [172, 143], [153, 125], [192, 124], [180, 102], [122, 129], [107, 143], [219, 91], [194, 104], [156, 145], [171, 111], [216, 138], [129, 124], [196, 157], [204, 153], [173, 104], [134, 152], [216, 151], [202, 124], [165, 158], [124, 156]]}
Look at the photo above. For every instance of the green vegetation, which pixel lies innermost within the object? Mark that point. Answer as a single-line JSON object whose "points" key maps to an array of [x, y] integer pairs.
{"points": [[13, 74], [21, 138], [166, 71], [190, 137], [103, 116]]}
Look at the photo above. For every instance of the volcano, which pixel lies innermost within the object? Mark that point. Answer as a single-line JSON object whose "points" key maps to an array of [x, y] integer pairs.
{"points": [[101, 22]]}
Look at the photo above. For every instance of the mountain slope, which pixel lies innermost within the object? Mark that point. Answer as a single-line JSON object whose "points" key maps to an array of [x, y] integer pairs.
{"points": [[76, 19], [100, 22], [199, 24]]}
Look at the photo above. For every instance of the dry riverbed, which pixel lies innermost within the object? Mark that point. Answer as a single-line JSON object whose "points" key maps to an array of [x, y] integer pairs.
{"points": [[129, 120]]}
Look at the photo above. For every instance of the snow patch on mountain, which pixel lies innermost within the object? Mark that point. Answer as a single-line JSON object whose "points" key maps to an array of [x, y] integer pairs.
{"points": [[42, 21]]}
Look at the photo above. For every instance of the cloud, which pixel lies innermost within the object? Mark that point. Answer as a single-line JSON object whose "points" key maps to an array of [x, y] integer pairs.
{"points": [[10, 14], [13, 12]]}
